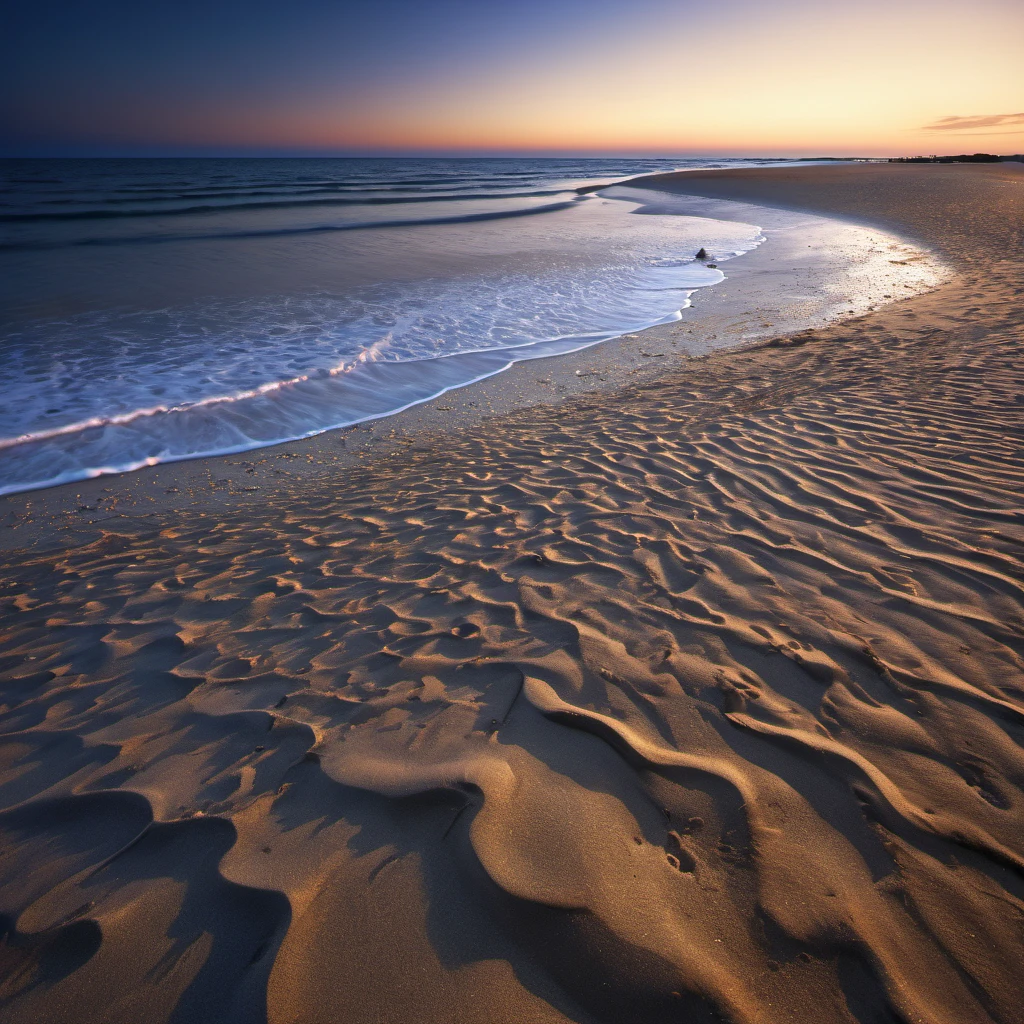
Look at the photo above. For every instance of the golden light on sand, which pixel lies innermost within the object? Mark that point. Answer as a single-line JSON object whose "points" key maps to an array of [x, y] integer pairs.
{"points": [[696, 699]]}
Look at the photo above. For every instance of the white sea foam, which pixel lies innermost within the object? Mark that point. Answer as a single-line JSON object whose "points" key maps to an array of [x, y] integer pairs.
{"points": [[131, 387], [242, 329]]}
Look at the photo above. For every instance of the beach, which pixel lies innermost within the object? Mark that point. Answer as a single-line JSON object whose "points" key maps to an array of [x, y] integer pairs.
{"points": [[652, 682]]}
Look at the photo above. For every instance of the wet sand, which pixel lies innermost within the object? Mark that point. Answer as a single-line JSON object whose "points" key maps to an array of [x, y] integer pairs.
{"points": [[694, 697]]}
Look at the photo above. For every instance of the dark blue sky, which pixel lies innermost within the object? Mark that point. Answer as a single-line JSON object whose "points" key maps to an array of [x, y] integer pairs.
{"points": [[109, 74]]}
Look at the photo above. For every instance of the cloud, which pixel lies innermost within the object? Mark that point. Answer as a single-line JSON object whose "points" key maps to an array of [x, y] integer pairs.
{"points": [[969, 125]]}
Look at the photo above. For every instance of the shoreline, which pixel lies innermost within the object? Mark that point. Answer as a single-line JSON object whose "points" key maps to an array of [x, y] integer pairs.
{"points": [[755, 303], [696, 698]]}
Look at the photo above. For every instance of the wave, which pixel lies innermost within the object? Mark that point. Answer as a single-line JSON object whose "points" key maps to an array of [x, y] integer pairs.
{"points": [[211, 191], [176, 354], [464, 218], [231, 424], [41, 216], [123, 419]]}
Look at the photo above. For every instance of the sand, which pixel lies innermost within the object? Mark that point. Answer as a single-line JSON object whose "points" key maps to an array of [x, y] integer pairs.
{"points": [[698, 697]]}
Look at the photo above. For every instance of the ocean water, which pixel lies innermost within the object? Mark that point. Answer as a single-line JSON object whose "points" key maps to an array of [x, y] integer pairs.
{"points": [[155, 310]]}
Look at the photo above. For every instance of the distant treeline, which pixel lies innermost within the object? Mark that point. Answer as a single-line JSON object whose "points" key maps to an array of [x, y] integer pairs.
{"points": [[963, 158]]}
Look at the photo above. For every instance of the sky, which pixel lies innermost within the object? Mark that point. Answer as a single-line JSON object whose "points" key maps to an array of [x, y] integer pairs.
{"points": [[551, 77]]}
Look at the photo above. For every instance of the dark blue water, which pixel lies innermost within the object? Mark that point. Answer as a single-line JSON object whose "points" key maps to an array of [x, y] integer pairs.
{"points": [[153, 310]]}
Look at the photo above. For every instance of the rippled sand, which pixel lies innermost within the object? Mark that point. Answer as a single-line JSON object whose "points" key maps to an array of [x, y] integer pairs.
{"points": [[698, 700]]}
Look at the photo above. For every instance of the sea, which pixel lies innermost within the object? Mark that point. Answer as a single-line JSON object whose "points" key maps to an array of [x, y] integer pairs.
{"points": [[153, 310]]}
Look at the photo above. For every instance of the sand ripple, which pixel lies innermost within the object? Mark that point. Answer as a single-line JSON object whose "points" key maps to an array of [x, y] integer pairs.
{"points": [[702, 704]]}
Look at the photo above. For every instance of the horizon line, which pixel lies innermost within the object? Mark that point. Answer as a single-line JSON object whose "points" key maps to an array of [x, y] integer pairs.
{"points": [[414, 155]]}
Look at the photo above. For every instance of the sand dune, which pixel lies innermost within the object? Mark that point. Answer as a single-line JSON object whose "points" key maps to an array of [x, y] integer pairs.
{"points": [[700, 700]]}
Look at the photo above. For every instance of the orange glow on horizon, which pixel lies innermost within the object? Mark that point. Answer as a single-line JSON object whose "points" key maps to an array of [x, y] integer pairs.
{"points": [[826, 85], [793, 78]]}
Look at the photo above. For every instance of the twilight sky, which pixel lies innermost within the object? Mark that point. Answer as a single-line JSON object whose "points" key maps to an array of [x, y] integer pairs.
{"points": [[664, 77]]}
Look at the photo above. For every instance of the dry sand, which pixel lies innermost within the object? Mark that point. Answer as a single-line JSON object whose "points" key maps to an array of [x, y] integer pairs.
{"points": [[697, 699]]}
